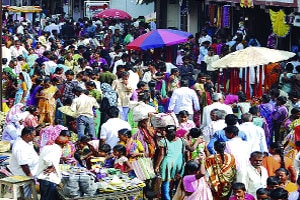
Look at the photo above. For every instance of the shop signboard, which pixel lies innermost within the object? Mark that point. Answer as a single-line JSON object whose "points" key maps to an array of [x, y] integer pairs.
{"points": [[93, 7]]}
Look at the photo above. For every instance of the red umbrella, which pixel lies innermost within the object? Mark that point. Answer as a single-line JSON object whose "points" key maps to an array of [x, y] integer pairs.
{"points": [[113, 13]]}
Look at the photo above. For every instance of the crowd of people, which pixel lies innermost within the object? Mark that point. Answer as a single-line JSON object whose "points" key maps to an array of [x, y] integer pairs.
{"points": [[72, 92]]}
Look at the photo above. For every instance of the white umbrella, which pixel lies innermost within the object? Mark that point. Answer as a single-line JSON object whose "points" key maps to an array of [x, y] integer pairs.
{"points": [[252, 56]]}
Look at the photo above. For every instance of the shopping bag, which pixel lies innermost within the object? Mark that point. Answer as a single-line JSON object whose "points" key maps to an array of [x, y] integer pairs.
{"points": [[143, 168]]}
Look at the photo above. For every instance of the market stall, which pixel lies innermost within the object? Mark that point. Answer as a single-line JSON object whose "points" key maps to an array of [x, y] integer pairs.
{"points": [[98, 183]]}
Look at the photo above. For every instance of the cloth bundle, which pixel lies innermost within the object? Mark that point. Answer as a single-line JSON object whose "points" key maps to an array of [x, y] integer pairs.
{"points": [[141, 111], [162, 120], [80, 185]]}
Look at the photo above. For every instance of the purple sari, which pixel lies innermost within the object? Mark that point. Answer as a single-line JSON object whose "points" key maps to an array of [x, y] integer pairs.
{"points": [[32, 101], [266, 110]]}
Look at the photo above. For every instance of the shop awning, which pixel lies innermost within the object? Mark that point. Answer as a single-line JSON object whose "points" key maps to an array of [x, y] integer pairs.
{"points": [[24, 9], [284, 3]]}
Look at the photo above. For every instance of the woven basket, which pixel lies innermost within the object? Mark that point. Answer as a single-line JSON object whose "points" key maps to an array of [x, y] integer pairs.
{"points": [[4, 146]]}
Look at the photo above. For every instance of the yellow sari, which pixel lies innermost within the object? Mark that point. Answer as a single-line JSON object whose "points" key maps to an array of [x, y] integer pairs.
{"points": [[47, 105]]}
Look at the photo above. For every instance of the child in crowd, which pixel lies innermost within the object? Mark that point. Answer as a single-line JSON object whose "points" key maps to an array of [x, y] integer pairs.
{"points": [[105, 151], [239, 191], [173, 81], [84, 151], [185, 124], [273, 182], [121, 161], [263, 194], [199, 144]]}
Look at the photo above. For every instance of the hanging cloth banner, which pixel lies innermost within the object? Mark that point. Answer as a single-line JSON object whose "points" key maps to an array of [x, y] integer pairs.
{"points": [[280, 28], [226, 16]]}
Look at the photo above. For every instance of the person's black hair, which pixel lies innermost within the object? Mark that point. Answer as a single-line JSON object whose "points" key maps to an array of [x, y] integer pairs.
{"points": [[113, 112], [196, 132], [294, 94], [231, 119], [105, 148], [47, 79], [265, 98], [282, 100], [289, 67], [254, 110], [120, 148], [238, 186], [242, 97], [65, 133], [263, 191], [278, 149], [144, 96], [297, 68], [124, 55], [85, 138], [121, 67], [295, 110], [275, 92], [220, 148], [125, 132], [31, 109], [77, 89], [38, 81], [183, 113], [283, 170], [232, 129], [151, 84], [105, 68], [191, 166], [273, 180], [61, 60], [91, 84], [141, 84], [201, 75], [255, 154], [27, 130], [170, 132], [174, 70], [279, 193], [57, 69]]}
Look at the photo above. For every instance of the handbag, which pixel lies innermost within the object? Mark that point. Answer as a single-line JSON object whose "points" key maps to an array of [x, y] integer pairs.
{"points": [[143, 168]]}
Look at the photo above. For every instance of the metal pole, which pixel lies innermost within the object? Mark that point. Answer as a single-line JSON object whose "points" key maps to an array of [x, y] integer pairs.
{"points": [[1, 23]]}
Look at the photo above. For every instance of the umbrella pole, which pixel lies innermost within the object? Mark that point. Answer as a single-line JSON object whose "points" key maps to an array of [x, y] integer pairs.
{"points": [[248, 83], [243, 80], [224, 80], [231, 79], [260, 81], [219, 81], [255, 81]]}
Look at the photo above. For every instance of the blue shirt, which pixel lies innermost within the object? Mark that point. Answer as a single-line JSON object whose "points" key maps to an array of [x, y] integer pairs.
{"points": [[220, 136]]}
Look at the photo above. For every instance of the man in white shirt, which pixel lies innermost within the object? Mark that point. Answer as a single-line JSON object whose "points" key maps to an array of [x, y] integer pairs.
{"points": [[218, 99], [254, 176], [83, 107], [255, 135], [237, 147], [24, 159], [109, 130], [217, 124], [48, 169], [50, 64], [184, 98], [124, 59]]}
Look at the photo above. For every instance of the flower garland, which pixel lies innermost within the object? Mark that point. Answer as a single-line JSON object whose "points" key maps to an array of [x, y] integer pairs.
{"points": [[280, 28]]}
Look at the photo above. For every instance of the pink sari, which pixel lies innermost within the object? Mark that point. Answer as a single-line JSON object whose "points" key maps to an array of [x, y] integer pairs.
{"points": [[199, 188]]}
